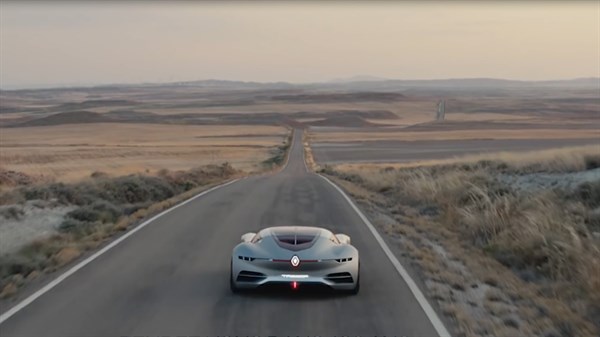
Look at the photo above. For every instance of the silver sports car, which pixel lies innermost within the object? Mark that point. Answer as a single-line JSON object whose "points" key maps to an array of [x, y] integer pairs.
{"points": [[295, 256]]}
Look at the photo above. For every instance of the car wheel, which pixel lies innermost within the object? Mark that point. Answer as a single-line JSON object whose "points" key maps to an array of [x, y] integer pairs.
{"points": [[356, 288], [234, 288]]}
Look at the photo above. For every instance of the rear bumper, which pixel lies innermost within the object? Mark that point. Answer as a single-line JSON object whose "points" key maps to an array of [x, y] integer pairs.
{"points": [[280, 280], [247, 275]]}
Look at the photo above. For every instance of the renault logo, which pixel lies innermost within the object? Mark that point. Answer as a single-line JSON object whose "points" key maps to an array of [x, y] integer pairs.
{"points": [[295, 261]]}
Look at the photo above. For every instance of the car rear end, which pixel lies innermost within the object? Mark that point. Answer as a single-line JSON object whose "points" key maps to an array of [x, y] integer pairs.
{"points": [[304, 260]]}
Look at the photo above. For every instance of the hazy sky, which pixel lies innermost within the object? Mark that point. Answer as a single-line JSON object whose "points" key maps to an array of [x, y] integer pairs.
{"points": [[66, 43]]}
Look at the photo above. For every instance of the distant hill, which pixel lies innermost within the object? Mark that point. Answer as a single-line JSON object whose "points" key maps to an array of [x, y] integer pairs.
{"points": [[341, 97], [461, 83], [355, 83], [225, 84], [358, 78]]}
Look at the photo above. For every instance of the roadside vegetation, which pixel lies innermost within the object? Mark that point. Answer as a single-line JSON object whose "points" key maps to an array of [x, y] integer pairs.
{"points": [[507, 246], [309, 158], [54, 223], [101, 207], [279, 154]]}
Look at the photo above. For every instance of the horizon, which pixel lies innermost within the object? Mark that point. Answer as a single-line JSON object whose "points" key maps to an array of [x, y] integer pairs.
{"points": [[340, 81]]}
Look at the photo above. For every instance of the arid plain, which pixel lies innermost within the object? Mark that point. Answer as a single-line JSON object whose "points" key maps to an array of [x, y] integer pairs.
{"points": [[70, 133]]}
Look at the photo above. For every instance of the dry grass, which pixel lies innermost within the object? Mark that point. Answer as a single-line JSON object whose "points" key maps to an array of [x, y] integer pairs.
{"points": [[106, 206], [279, 154], [73, 152], [552, 160], [105, 134], [541, 247], [117, 175], [308, 154]]}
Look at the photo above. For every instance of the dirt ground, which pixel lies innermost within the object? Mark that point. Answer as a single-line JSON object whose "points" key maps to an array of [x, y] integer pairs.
{"points": [[75, 151], [473, 124], [63, 132], [396, 151], [468, 227]]}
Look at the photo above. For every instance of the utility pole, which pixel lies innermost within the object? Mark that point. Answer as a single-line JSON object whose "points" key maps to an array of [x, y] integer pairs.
{"points": [[441, 110]]}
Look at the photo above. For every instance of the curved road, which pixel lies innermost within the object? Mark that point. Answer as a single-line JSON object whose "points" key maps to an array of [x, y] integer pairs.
{"points": [[171, 277]]}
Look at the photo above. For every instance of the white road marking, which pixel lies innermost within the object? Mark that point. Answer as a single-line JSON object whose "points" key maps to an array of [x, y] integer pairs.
{"points": [[85, 262], [431, 314], [9, 313]]}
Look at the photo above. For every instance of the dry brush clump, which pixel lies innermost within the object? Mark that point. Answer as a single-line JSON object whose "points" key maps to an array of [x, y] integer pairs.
{"points": [[279, 154], [309, 158], [10, 179], [106, 206], [548, 237]]}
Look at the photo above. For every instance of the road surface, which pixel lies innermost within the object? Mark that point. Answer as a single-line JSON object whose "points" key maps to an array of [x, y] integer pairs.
{"points": [[171, 277]]}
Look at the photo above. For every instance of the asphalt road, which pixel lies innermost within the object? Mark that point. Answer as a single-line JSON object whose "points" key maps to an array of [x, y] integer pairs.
{"points": [[405, 151], [171, 277]]}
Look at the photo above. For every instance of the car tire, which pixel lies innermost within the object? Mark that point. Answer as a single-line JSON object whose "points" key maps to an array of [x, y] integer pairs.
{"points": [[234, 288], [356, 288]]}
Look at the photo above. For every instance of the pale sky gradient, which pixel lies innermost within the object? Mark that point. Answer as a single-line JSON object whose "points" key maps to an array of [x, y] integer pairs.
{"points": [[69, 43]]}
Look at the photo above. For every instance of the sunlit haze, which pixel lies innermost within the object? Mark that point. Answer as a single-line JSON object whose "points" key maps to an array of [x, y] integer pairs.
{"points": [[46, 44]]}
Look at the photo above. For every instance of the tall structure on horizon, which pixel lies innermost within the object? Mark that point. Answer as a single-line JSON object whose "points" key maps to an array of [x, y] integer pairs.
{"points": [[441, 110]]}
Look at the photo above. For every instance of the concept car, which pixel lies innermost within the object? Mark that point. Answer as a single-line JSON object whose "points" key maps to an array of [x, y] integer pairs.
{"points": [[297, 257]]}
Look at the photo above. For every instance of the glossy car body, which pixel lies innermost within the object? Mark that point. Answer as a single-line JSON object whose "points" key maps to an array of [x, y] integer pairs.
{"points": [[295, 256]]}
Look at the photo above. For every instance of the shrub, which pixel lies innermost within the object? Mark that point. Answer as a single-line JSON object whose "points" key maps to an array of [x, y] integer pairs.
{"points": [[592, 162], [135, 188], [589, 193], [84, 214], [101, 200], [16, 264], [592, 220], [162, 173], [328, 170], [98, 174], [100, 210], [108, 211], [12, 212], [543, 237], [77, 194], [279, 154], [70, 225], [129, 209]]}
